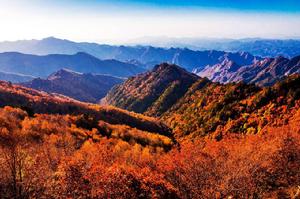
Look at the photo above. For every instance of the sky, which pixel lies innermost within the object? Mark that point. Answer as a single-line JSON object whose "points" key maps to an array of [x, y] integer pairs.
{"points": [[120, 21]]}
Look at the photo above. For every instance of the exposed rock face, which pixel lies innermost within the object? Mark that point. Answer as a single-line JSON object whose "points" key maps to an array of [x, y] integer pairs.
{"points": [[263, 73]]}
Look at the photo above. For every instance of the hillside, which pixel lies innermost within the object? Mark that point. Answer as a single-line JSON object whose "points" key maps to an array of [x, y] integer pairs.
{"points": [[36, 102], [42, 66], [195, 107], [84, 87], [152, 92], [217, 109], [263, 73], [69, 149]]}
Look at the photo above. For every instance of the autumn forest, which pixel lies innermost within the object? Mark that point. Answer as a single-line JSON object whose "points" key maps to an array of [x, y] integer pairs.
{"points": [[192, 139]]}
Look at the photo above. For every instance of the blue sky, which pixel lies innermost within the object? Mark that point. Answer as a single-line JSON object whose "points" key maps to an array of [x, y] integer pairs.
{"points": [[254, 5], [120, 21], [286, 6]]}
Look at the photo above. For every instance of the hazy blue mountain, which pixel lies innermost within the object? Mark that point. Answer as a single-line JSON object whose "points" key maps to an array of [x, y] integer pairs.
{"points": [[266, 47], [256, 46], [52, 45], [210, 51], [15, 78], [42, 66], [81, 86], [146, 56], [184, 57]]}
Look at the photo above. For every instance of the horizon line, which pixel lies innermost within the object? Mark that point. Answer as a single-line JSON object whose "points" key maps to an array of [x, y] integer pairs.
{"points": [[284, 38]]}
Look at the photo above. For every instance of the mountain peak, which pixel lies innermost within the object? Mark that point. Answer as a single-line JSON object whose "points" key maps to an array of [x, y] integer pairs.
{"points": [[153, 92], [164, 66], [280, 59], [51, 39], [172, 69], [62, 73], [84, 54], [81, 86]]}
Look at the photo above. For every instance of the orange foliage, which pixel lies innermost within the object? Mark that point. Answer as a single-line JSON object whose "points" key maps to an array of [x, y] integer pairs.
{"points": [[66, 149], [56, 158]]}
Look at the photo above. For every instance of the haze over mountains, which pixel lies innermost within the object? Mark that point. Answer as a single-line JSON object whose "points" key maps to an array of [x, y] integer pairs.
{"points": [[148, 56], [15, 77], [42, 66], [256, 46], [143, 56]]}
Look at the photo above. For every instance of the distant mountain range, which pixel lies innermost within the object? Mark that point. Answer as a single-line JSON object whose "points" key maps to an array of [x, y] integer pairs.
{"points": [[256, 46], [126, 61], [83, 87], [264, 73], [264, 47], [42, 66], [145, 56]]}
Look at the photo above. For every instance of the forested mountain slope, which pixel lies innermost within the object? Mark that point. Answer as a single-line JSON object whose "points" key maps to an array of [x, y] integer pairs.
{"points": [[36, 102], [70, 149], [200, 107], [218, 109], [152, 92]]}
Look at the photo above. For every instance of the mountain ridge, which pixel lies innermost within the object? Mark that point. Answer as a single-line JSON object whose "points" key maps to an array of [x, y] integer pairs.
{"points": [[81, 86], [38, 102], [205, 108], [44, 65], [263, 73], [156, 90], [147, 56]]}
